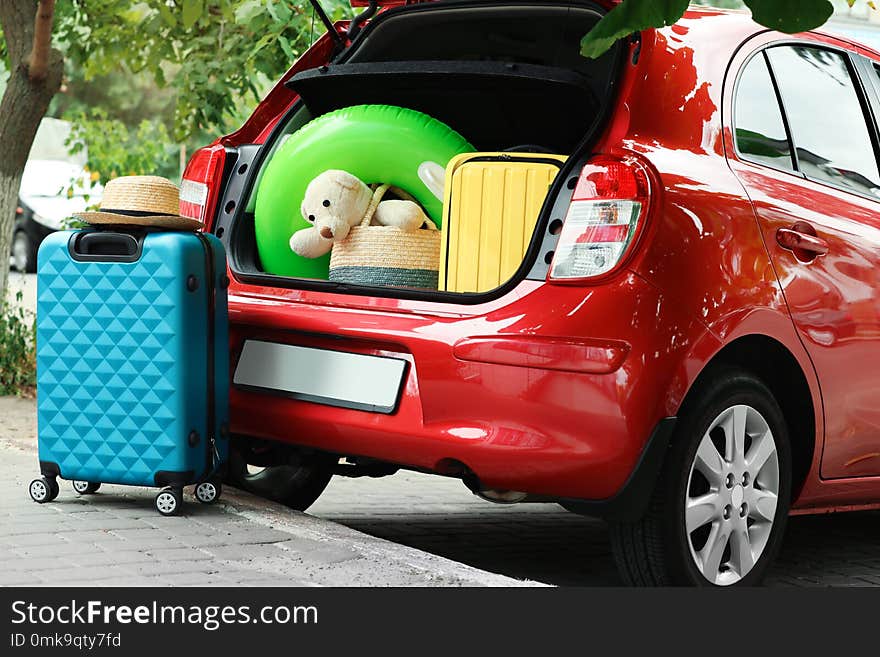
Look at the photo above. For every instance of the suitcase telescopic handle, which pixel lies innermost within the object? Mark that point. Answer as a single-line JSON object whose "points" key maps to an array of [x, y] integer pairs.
{"points": [[105, 246]]}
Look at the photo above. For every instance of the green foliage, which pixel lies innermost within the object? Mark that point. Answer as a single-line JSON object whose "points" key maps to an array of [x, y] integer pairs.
{"points": [[124, 95], [219, 55], [791, 16], [628, 17], [631, 16], [18, 359], [115, 150]]}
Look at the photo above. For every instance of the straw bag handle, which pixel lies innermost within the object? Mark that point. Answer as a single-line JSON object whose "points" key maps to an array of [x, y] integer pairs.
{"points": [[374, 203], [377, 198]]}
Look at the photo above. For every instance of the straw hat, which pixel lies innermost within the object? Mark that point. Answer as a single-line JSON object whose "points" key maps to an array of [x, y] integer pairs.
{"points": [[141, 201]]}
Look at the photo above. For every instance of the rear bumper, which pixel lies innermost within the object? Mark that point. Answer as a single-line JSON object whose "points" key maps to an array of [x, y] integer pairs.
{"points": [[521, 409]]}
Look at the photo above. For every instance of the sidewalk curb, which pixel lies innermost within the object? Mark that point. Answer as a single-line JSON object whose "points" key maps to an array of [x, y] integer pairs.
{"points": [[438, 569]]}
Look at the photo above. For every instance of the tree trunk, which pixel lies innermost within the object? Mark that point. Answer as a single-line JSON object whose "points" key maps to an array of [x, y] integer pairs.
{"points": [[22, 108]]}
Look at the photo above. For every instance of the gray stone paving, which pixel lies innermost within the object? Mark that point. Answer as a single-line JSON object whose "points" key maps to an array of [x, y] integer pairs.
{"points": [[249, 543], [543, 542], [116, 538]]}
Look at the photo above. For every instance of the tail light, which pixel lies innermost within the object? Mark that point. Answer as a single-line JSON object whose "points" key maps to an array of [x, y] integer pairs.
{"points": [[607, 211], [200, 186]]}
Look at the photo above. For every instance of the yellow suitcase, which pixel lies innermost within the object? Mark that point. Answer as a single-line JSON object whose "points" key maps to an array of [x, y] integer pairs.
{"points": [[489, 214]]}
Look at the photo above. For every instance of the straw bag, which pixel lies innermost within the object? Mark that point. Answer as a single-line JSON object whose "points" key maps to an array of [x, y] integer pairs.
{"points": [[387, 255]]}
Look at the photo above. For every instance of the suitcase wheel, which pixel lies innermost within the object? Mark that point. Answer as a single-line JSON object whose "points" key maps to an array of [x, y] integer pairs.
{"points": [[85, 487], [208, 492], [169, 500], [44, 489]]}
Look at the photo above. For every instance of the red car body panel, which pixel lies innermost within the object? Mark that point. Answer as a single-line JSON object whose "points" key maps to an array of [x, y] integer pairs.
{"points": [[555, 389], [516, 427]]}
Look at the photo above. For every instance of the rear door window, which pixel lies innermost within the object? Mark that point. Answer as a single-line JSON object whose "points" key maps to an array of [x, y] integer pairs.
{"points": [[826, 118], [760, 129]]}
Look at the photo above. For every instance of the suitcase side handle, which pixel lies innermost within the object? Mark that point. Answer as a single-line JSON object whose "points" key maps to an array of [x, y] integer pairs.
{"points": [[105, 246]]}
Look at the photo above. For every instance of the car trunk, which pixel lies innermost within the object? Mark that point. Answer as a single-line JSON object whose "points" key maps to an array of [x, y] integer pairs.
{"points": [[506, 76]]}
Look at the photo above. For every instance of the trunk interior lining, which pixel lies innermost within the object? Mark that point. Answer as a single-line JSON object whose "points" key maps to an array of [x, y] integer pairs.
{"points": [[494, 105], [479, 41]]}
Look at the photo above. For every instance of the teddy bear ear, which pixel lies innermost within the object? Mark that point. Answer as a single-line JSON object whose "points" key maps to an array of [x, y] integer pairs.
{"points": [[348, 181]]}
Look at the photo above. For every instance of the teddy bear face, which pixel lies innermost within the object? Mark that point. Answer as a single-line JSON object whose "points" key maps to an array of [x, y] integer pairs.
{"points": [[334, 202]]}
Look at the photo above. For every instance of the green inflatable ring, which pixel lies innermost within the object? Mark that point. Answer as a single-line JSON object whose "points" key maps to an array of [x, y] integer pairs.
{"points": [[376, 143]]}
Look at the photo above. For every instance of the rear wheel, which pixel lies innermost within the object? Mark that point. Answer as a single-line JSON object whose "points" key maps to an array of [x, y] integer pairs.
{"points": [[718, 513], [24, 253], [296, 485]]}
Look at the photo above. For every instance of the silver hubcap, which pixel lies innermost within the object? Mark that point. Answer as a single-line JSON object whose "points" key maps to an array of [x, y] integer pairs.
{"points": [[206, 492], [166, 502], [80, 486], [733, 488], [38, 490]]}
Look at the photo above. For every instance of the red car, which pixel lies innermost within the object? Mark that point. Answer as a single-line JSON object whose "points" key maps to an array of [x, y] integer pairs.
{"points": [[693, 377]]}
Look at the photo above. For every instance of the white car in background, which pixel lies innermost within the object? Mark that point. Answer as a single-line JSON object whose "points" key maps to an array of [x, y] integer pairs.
{"points": [[55, 184]]}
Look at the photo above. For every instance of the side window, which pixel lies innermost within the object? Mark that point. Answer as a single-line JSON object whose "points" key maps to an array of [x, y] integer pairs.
{"points": [[826, 119], [760, 129]]}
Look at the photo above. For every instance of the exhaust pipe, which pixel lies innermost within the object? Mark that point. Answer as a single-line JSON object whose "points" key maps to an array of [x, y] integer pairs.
{"points": [[454, 468], [501, 496]]}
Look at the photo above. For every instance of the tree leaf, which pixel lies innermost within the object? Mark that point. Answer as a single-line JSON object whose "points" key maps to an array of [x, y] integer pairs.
{"points": [[279, 11], [262, 43], [192, 9], [159, 75], [248, 11], [628, 17], [284, 42], [167, 15], [791, 16]]}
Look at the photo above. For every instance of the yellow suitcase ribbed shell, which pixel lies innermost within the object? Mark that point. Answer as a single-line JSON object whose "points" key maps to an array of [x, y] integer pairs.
{"points": [[489, 214]]}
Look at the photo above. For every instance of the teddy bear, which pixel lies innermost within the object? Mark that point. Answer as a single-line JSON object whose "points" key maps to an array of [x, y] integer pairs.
{"points": [[336, 201]]}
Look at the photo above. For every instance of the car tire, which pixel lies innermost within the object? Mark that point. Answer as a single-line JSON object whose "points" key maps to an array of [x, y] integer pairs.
{"points": [[24, 253], [297, 486], [716, 518]]}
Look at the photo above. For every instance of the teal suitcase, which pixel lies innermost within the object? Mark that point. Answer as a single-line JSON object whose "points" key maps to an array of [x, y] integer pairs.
{"points": [[132, 363]]}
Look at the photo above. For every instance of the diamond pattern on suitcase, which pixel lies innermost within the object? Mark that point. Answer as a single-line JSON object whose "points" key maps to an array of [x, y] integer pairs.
{"points": [[107, 380]]}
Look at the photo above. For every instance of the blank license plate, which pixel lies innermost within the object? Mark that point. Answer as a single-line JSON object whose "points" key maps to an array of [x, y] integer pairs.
{"points": [[334, 378]]}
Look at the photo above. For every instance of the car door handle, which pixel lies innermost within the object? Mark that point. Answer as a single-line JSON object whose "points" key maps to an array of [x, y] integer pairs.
{"points": [[802, 243]]}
